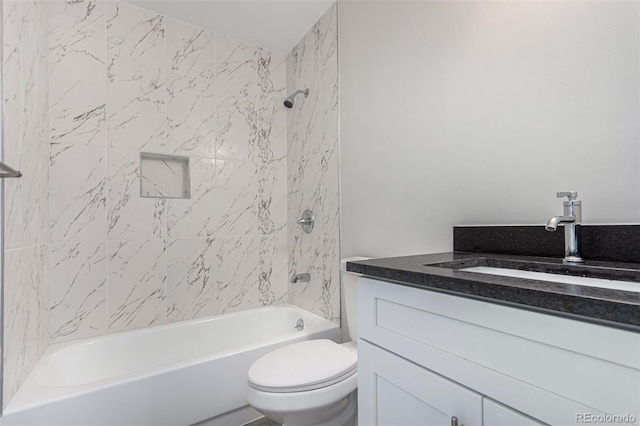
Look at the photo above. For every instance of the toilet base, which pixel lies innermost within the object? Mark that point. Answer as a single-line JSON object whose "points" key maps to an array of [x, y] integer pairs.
{"points": [[342, 413]]}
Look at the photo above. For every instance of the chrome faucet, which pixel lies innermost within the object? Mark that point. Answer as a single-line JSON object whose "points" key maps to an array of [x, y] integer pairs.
{"points": [[571, 217]]}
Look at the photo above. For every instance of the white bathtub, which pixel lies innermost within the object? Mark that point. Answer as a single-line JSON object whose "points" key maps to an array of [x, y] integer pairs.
{"points": [[175, 374]]}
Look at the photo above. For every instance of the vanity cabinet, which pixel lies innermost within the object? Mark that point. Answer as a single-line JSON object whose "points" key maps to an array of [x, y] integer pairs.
{"points": [[401, 393], [425, 357]]}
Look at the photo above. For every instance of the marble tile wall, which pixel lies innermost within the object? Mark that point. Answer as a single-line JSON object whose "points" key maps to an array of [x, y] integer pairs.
{"points": [[26, 148], [312, 159], [125, 80]]}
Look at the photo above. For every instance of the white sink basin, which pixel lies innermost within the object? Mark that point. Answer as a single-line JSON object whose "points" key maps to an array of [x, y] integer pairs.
{"points": [[566, 279]]}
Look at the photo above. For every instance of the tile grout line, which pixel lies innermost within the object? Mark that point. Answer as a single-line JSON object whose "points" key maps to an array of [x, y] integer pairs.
{"points": [[106, 162], [165, 57]]}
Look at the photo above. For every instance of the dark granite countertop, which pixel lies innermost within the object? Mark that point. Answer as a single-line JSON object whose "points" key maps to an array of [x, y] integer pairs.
{"points": [[439, 272]]}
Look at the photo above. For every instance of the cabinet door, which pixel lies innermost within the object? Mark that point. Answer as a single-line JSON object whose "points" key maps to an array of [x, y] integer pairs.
{"points": [[498, 415], [396, 392]]}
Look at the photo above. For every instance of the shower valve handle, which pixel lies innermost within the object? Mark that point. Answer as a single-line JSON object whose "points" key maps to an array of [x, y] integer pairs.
{"points": [[306, 221]]}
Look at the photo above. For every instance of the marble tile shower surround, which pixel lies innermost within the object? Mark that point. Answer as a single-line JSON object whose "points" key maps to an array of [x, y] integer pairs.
{"points": [[26, 148], [312, 159], [112, 80], [143, 82]]}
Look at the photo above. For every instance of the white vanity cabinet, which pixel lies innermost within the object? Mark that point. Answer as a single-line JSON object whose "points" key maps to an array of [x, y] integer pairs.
{"points": [[405, 394], [401, 393], [425, 357]]}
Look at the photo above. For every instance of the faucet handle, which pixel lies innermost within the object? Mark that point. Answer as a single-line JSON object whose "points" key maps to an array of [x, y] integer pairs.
{"points": [[572, 195]]}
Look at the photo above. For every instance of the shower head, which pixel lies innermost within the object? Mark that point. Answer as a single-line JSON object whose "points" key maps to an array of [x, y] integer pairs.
{"points": [[289, 101]]}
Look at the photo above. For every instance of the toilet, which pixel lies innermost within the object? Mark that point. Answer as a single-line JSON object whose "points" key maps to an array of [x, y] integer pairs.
{"points": [[314, 382]]}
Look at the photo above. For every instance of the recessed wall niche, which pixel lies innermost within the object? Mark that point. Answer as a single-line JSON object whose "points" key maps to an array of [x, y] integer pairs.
{"points": [[164, 176]]}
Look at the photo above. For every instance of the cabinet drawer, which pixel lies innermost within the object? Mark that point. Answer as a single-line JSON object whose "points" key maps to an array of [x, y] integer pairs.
{"points": [[544, 366], [395, 392]]}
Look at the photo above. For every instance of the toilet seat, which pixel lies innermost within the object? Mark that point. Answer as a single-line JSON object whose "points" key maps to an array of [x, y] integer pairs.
{"points": [[303, 366]]}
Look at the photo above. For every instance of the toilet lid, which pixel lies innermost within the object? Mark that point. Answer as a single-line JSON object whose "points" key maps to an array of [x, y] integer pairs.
{"points": [[303, 366]]}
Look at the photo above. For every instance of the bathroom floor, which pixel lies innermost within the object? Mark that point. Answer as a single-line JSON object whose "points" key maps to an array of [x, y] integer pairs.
{"points": [[263, 422]]}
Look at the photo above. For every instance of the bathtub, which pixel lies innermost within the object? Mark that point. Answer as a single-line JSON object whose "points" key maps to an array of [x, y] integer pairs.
{"points": [[176, 374]]}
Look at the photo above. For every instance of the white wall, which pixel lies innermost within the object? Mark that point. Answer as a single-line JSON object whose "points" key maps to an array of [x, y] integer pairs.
{"points": [[459, 113]]}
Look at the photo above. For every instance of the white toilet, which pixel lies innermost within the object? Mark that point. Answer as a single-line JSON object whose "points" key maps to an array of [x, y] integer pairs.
{"points": [[312, 382]]}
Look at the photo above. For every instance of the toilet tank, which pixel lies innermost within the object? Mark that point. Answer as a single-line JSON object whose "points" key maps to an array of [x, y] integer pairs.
{"points": [[350, 296]]}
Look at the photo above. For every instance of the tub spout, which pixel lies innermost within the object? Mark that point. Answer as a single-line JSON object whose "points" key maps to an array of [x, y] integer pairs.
{"points": [[305, 278]]}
